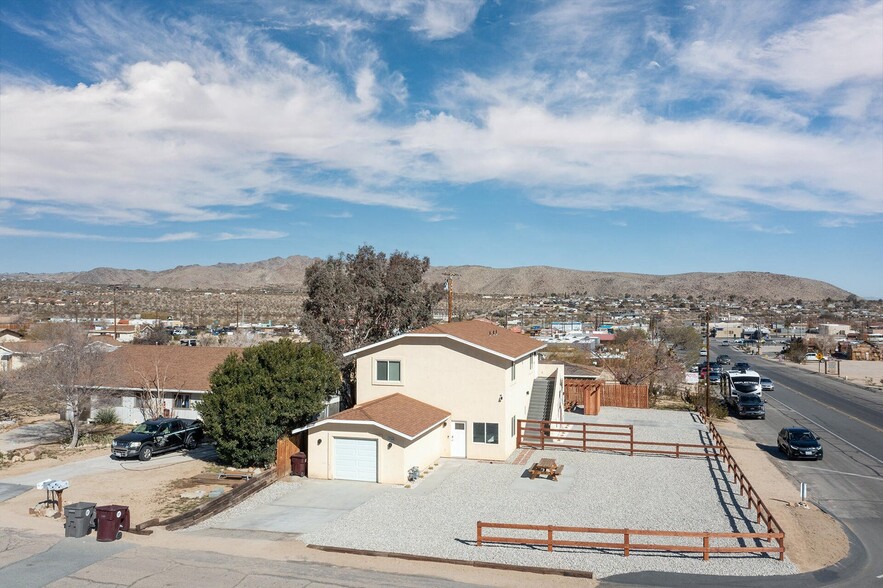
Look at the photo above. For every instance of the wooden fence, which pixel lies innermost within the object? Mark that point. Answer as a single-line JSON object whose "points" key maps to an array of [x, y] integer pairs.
{"points": [[593, 394], [601, 437], [286, 446], [627, 545], [745, 487], [620, 438], [626, 396]]}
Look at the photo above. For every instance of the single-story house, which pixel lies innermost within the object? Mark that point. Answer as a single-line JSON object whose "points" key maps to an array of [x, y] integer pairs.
{"points": [[140, 381], [9, 335], [482, 378]]}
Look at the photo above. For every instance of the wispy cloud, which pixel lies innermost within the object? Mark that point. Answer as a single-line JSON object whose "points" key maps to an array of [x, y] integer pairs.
{"points": [[250, 234], [209, 120], [30, 233]]}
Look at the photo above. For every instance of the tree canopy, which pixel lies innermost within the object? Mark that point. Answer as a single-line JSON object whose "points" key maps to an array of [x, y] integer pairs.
{"points": [[266, 391], [360, 298]]}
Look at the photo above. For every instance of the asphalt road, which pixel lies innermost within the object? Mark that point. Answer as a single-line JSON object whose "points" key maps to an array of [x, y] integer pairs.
{"points": [[848, 482]]}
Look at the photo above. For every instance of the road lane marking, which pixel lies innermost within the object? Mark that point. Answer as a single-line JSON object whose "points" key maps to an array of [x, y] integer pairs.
{"points": [[846, 473], [825, 404], [819, 425]]}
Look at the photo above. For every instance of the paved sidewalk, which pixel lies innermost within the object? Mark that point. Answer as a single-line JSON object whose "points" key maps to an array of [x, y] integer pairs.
{"points": [[33, 434]]}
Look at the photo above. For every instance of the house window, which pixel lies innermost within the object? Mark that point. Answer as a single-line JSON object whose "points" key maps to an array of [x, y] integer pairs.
{"points": [[512, 377], [182, 401], [485, 433], [531, 360], [513, 425], [389, 371]]}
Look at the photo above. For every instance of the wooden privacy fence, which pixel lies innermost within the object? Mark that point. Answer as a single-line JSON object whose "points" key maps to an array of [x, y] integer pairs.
{"points": [[286, 446], [601, 437], [592, 395], [625, 396], [550, 540], [745, 487]]}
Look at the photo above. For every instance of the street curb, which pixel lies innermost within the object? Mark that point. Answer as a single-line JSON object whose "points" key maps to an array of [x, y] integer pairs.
{"points": [[459, 562]]}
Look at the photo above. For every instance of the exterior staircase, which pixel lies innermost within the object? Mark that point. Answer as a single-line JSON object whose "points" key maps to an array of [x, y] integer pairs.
{"points": [[541, 396]]}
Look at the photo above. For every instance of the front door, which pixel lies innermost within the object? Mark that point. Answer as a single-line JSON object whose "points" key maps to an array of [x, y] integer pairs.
{"points": [[458, 440]]}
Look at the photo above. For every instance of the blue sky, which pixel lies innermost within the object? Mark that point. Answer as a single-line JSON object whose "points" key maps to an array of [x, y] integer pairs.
{"points": [[652, 137]]}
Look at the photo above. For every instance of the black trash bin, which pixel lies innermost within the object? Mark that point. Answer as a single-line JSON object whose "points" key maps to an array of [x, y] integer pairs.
{"points": [[112, 521], [79, 519], [299, 464]]}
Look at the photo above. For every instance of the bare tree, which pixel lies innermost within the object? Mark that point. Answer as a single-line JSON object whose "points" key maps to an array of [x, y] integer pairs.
{"points": [[154, 382], [645, 363], [66, 375]]}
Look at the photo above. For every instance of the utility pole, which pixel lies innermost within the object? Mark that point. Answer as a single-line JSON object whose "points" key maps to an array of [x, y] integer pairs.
{"points": [[449, 286], [707, 357], [115, 336], [237, 315]]}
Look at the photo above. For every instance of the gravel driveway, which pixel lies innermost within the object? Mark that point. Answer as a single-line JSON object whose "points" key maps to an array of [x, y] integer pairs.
{"points": [[596, 490]]}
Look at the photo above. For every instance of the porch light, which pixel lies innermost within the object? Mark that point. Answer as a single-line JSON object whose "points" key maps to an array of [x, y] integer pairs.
{"points": [[501, 398]]}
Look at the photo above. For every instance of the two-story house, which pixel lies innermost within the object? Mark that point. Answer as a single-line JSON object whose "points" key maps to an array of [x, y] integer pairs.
{"points": [[448, 390]]}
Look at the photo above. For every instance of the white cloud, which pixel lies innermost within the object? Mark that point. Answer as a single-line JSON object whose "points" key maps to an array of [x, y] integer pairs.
{"points": [[250, 234], [443, 19], [815, 56], [30, 233]]}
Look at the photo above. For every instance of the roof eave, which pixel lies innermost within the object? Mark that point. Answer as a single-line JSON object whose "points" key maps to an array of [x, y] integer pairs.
{"points": [[446, 336], [332, 421]]}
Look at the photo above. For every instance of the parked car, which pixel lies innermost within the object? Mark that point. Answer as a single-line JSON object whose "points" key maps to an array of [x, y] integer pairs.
{"points": [[815, 357], [741, 367], [725, 343], [703, 352], [800, 443], [158, 436], [750, 405], [723, 359], [766, 384], [714, 378]]}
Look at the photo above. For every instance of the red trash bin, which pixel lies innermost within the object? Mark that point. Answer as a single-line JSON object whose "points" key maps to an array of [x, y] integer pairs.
{"points": [[113, 519], [299, 464]]}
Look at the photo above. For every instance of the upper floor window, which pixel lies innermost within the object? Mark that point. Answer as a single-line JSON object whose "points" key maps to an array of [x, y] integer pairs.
{"points": [[389, 371], [531, 360], [512, 376]]}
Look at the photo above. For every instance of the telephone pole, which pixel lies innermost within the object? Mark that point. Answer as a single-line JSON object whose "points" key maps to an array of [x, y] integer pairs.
{"points": [[449, 286]]}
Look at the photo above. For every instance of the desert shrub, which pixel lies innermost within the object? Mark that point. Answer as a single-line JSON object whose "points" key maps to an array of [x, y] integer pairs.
{"points": [[106, 416]]}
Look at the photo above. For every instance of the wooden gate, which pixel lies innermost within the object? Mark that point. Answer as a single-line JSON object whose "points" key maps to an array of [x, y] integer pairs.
{"points": [[626, 396], [286, 446]]}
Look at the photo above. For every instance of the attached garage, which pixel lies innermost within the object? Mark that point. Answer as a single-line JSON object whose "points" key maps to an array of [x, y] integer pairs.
{"points": [[355, 459], [378, 441]]}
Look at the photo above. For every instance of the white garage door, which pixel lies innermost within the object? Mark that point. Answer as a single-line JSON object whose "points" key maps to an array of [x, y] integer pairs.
{"points": [[355, 459]]}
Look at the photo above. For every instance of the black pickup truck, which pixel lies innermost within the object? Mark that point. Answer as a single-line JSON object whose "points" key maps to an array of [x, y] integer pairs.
{"points": [[158, 436]]}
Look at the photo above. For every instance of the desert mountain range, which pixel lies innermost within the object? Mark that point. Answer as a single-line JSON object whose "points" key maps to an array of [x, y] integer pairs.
{"points": [[288, 272]]}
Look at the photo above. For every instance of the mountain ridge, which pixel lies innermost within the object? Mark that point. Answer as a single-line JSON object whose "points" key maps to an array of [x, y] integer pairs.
{"points": [[289, 271]]}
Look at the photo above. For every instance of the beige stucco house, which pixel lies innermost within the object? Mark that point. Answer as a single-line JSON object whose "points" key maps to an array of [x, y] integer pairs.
{"points": [[482, 376]]}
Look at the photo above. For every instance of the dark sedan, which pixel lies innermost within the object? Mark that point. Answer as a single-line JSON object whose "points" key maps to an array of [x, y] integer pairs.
{"points": [[800, 443]]}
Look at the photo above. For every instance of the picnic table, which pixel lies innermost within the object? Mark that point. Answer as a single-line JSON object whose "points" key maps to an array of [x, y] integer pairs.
{"points": [[546, 467]]}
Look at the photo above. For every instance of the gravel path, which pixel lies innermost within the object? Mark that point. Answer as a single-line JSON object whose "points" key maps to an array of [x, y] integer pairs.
{"points": [[596, 490]]}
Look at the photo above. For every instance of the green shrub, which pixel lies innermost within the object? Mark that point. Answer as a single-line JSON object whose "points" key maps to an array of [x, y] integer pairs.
{"points": [[107, 416]]}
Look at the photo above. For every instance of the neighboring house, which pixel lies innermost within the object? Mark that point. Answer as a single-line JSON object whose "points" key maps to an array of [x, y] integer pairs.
{"points": [[9, 336], [123, 332], [15, 355], [169, 380], [483, 376]]}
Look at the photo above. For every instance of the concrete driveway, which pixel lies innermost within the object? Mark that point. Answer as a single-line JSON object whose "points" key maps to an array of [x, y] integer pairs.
{"points": [[33, 434], [12, 486], [308, 507]]}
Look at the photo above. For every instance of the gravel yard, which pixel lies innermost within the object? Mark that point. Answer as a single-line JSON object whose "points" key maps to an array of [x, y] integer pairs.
{"points": [[596, 490]]}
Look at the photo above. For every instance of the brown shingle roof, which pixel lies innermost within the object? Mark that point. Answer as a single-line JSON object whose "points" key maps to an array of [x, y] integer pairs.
{"points": [[26, 346], [397, 412], [488, 335], [174, 367]]}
